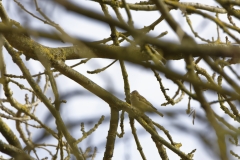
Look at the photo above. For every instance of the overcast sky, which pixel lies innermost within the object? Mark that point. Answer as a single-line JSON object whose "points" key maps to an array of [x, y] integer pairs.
{"points": [[140, 79]]}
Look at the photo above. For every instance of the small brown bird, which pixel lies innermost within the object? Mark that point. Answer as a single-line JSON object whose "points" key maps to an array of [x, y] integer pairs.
{"points": [[142, 104]]}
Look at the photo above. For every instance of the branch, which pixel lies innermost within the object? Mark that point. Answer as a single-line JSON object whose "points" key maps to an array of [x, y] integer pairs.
{"points": [[14, 151], [112, 133]]}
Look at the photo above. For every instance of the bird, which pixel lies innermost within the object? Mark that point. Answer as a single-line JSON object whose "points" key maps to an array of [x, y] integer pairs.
{"points": [[142, 104]]}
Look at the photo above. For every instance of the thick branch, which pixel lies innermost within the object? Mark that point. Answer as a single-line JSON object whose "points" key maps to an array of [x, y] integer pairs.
{"points": [[14, 152], [170, 51]]}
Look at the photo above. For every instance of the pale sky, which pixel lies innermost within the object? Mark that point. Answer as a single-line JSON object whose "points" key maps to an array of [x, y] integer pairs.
{"points": [[140, 79]]}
